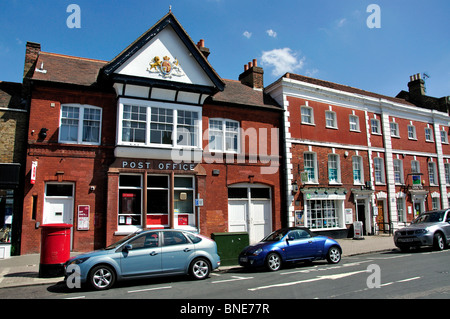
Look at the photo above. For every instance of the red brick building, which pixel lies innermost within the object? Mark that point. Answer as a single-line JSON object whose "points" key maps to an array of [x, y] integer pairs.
{"points": [[353, 155], [154, 138]]}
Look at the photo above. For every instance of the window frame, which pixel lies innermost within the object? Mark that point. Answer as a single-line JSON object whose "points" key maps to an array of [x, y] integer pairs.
{"points": [[80, 126], [412, 134], [428, 138], [359, 181], [376, 126], [314, 179], [223, 133], [337, 168], [379, 171], [356, 123], [311, 115], [333, 119], [399, 173], [432, 174], [396, 128], [444, 137], [149, 105]]}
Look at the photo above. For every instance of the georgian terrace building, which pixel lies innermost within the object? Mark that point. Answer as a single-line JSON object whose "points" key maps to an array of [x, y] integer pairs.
{"points": [[353, 155]]}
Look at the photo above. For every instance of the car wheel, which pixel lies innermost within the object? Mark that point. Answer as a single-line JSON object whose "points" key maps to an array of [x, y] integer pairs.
{"points": [[273, 262], [334, 255], [102, 277], [439, 243], [200, 269]]}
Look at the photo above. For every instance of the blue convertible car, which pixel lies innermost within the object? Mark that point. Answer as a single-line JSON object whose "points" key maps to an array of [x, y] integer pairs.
{"points": [[290, 244]]}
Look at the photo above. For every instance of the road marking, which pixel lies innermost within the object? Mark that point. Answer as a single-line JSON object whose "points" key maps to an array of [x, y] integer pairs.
{"points": [[79, 297], [150, 289], [332, 277], [393, 257], [235, 278], [409, 279]]}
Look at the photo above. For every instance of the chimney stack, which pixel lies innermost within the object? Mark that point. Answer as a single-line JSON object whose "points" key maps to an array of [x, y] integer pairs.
{"points": [[201, 47], [31, 54], [416, 86], [253, 75]]}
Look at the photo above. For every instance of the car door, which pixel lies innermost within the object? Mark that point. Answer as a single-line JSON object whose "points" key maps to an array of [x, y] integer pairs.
{"points": [[300, 244], [177, 252], [446, 226], [142, 255]]}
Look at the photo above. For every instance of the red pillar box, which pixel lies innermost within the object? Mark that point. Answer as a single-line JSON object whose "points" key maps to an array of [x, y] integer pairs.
{"points": [[55, 249]]}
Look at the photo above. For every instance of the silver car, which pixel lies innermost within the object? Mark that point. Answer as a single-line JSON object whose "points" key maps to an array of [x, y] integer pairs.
{"points": [[145, 254], [428, 229]]}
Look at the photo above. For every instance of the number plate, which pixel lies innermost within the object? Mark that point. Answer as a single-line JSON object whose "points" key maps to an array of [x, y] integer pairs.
{"points": [[405, 240], [243, 259]]}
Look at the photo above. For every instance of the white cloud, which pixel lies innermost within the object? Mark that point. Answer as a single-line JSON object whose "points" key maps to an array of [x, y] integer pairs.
{"points": [[341, 22], [247, 34], [271, 33], [282, 60]]}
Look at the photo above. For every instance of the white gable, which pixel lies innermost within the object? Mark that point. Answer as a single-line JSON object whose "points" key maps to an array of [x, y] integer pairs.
{"points": [[166, 44]]}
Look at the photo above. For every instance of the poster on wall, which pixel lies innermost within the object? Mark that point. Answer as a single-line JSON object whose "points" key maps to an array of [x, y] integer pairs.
{"points": [[83, 217], [299, 219]]}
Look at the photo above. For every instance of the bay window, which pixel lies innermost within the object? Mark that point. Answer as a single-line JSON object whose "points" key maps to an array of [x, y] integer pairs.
{"points": [[145, 123]]}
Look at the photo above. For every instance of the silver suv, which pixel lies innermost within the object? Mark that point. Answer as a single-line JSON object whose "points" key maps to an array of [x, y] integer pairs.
{"points": [[428, 229]]}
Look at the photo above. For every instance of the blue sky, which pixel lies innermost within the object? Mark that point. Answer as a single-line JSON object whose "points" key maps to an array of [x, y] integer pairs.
{"points": [[326, 39]]}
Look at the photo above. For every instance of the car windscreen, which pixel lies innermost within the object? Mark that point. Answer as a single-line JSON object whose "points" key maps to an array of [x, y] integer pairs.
{"points": [[276, 235], [120, 242], [430, 217]]}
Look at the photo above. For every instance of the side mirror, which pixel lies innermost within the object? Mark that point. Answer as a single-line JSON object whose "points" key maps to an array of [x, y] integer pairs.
{"points": [[127, 247]]}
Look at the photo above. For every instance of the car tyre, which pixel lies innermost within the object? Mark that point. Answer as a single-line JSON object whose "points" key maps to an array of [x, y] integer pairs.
{"points": [[200, 269], [273, 262], [439, 242], [102, 277], [334, 255]]}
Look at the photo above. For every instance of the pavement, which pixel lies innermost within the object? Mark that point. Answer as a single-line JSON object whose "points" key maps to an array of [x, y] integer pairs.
{"points": [[19, 271]]}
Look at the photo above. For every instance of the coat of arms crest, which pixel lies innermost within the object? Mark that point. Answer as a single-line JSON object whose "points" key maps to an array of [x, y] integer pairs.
{"points": [[165, 67]]}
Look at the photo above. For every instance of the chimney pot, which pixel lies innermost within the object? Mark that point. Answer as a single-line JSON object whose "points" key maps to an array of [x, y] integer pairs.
{"points": [[255, 62], [245, 67]]}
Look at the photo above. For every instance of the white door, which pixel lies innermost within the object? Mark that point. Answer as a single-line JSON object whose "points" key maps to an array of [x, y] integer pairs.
{"points": [[261, 220], [252, 215], [237, 215]]}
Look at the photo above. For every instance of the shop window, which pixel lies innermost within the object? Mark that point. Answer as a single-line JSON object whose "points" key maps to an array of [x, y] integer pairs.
{"points": [[323, 214], [130, 200], [80, 124], [157, 200], [184, 201]]}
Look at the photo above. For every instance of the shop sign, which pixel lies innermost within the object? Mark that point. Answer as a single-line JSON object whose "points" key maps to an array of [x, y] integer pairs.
{"points": [[158, 165], [33, 172], [83, 217]]}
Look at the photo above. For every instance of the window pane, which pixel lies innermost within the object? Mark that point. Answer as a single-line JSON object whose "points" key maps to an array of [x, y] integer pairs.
{"points": [[184, 182], [59, 190], [158, 181], [237, 192], [130, 180], [260, 193]]}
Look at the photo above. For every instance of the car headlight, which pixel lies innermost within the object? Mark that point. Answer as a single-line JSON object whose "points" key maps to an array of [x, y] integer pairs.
{"points": [[78, 261], [257, 252], [421, 231]]}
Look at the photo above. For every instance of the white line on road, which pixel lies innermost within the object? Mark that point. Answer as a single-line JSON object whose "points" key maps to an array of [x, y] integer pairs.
{"points": [[332, 277], [409, 279], [149, 289], [235, 278]]}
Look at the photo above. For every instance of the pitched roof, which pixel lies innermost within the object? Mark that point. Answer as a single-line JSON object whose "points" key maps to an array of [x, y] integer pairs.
{"points": [[139, 43], [344, 88], [237, 93], [67, 69]]}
